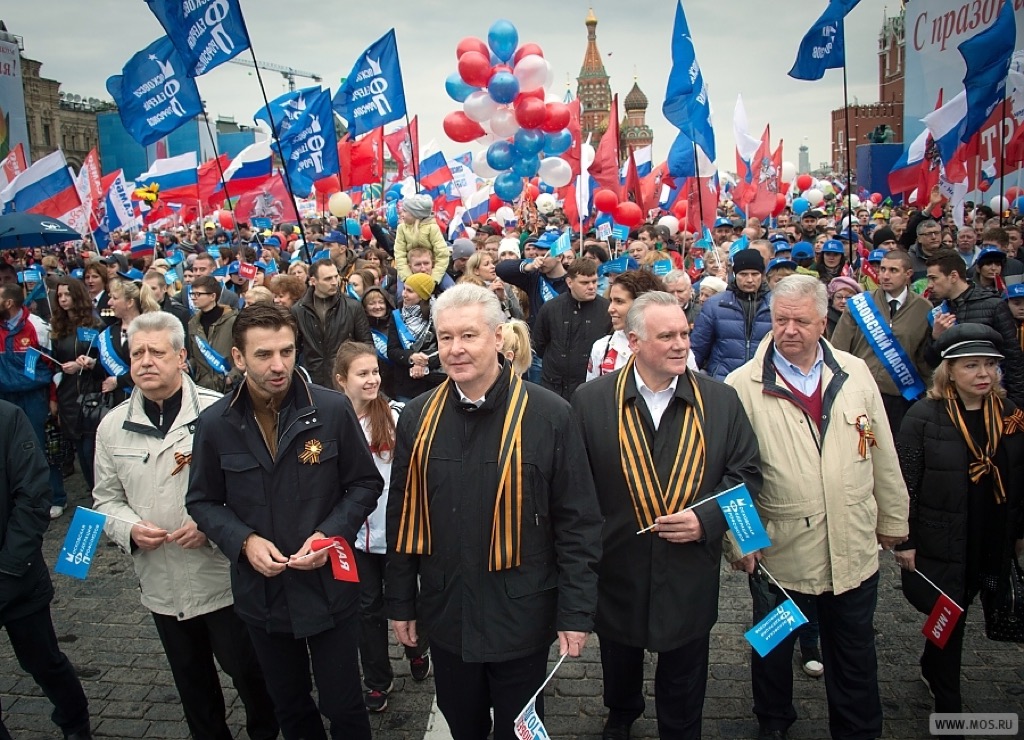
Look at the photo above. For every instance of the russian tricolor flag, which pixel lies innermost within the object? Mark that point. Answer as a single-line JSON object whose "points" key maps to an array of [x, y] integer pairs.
{"points": [[250, 169], [434, 170], [177, 177], [46, 188]]}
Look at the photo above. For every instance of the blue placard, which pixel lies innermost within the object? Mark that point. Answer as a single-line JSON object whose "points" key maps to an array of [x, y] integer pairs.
{"points": [[620, 232], [260, 223], [31, 358], [744, 523], [80, 544], [662, 267], [32, 275], [780, 622], [87, 335]]}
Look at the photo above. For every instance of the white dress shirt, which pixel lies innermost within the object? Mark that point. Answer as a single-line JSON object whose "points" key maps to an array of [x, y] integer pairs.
{"points": [[657, 401]]}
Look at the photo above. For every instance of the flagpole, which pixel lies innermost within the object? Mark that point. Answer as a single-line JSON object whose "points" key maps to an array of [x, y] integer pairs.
{"points": [[220, 167], [700, 192], [413, 145], [1002, 161], [849, 173]]}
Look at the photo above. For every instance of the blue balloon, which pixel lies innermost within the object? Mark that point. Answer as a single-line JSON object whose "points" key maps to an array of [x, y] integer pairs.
{"points": [[503, 87], [558, 142], [1019, 204], [503, 38], [500, 155], [800, 205], [508, 186], [527, 166], [457, 89], [528, 142], [391, 214], [352, 227]]}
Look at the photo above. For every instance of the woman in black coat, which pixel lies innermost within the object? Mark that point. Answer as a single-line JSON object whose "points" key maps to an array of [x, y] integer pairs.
{"points": [[962, 455], [412, 341], [378, 307]]}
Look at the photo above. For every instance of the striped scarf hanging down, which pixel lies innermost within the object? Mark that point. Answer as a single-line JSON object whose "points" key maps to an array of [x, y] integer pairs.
{"points": [[414, 537], [651, 496], [982, 463]]}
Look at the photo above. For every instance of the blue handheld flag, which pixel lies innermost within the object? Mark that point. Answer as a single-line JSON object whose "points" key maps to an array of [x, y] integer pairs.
{"points": [[562, 245], [80, 544], [285, 110], [373, 93], [206, 34], [823, 46], [87, 335], [780, 622], [31, 358], [744, 523]]}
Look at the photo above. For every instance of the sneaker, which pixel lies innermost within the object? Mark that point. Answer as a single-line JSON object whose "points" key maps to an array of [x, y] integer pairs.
{"points": [[420, 667], [615, 730], [56, 512], [376, 700], [812, 664]]}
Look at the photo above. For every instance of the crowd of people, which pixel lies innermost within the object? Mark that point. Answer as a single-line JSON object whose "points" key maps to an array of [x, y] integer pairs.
{"points": [[489, 423]]}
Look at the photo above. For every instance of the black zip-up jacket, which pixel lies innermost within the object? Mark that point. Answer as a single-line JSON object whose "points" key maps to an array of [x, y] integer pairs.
{"points": [[319, 341], [563, 335]]}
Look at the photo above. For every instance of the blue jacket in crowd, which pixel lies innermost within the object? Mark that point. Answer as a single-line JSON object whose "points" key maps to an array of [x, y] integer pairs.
{"points": [[728, 330]]}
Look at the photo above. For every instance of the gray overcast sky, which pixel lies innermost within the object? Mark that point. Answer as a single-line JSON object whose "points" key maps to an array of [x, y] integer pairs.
{"points": [[744, 46]]}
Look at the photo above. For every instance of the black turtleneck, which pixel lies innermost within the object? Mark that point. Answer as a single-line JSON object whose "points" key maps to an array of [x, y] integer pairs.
{"points": [[211, 317], [163, 418]]}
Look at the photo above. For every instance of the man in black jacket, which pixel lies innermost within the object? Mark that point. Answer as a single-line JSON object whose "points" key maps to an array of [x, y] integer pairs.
{"points": [[327, 319], [25, 588], [502, 555], [966, 303], [567, 327], [276, 466], [658, 590]]}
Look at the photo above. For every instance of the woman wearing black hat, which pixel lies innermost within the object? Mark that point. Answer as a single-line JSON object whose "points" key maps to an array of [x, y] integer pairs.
{"points": [[962, 455]]}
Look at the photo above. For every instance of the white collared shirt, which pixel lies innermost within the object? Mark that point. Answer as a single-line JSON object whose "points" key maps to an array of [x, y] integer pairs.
{"points": [[466, 399], [806, 383], [900, 299], [657, 401]]}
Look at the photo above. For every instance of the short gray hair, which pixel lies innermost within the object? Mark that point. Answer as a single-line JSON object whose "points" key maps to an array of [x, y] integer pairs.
{"points": [[635, 319], [927, 223], [677, 276], [159, 321], [795, 287], [465, 295]]}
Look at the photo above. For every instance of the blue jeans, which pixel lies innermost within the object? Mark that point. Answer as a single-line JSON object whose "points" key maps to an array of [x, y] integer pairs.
{"points": [[533, 374], [36, 405]]}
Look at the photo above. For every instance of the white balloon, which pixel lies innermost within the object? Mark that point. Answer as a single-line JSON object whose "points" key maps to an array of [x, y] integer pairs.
{"points": [[488, 138], [813, 196], [587, 155], [339, 204], [999, 204], [505, 215], [480, 166], [550, 77], [503, 122], [532, 72], [555, 171], [479, 106], [546, 203], [671, 222], [788, 172], [854, 201]]}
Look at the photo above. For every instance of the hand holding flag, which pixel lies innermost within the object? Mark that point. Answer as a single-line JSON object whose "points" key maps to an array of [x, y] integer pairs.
{"points": [[778, 624]]}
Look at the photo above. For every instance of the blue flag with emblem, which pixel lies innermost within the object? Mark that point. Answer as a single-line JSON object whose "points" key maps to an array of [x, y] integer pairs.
{"points": [[213, 358], [777, 625], [109, 359], [87, 335], [32, 356], [206, 34], [887, 348], [687, 106], [79, 546], [373, 93], [284, 111], [747, 530], [823, 46], [309, 148], [618, 266], [153, 94]]}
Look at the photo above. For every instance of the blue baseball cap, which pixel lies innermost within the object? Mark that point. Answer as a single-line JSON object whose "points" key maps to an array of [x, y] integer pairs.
{"points": [[546, 240], [774, 238], [722, 222], [780, 262], [272, 241], [233, 268], [1016, 290], [335, 237], [78, 273], [133, 274], [802, 251], [847, 235], [988, 252], [783, 246], [876, 255], [833, 246]]}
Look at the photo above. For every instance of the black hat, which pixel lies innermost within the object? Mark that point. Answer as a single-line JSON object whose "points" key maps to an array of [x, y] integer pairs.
{"points": [[969, 340], [747, 259], [884, 234]]}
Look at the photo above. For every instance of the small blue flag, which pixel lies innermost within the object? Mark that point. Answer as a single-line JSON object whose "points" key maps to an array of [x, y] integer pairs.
{"points": [[779, 624], [620, 232], [661, 268], [562, 245], [258, 222], [618, 266], [80, 544], [823, 46], [271, 267], [738, 246], [744, 523], [85, 334], [174, 257], [373, 94], [213, 252], [323, 254], [153, 93], [206, 34], [32, 356]]}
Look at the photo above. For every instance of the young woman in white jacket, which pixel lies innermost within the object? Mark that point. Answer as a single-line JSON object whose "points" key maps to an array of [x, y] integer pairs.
{"points": [[357, 375]]}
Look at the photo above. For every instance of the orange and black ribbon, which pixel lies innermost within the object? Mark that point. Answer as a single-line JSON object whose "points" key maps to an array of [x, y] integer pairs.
{"points": [[982, 464]]}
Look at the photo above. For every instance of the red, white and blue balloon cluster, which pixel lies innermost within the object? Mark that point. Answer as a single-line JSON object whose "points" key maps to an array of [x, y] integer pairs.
{"points": [[501, 86]]}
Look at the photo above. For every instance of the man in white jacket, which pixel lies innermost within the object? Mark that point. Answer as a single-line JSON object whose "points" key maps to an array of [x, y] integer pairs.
{"points": [[143, 450]]}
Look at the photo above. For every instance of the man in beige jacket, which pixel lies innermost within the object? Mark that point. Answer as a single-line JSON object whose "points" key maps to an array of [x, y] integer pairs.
{"points": [[832, 494], [143, 452]]}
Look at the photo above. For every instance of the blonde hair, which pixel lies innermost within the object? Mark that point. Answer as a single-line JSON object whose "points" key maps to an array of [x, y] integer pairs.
{"points": [[141, 296], [942, 382], [515, 345], [258, 293]]}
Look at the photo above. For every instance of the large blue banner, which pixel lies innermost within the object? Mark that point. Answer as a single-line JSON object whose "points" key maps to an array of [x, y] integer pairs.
{"points": [[309, 149], [686, 105], [286, 109], [824, 45], [153, 94], [373, 93], [206, 33]]}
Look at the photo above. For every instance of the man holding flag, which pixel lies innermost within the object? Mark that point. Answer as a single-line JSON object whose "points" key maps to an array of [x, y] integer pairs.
{"points": [[681, 438]]}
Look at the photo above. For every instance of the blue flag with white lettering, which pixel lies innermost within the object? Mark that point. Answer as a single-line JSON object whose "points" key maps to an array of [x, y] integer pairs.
{"points": [[747, 530], [309, 148], [80, 543], [153, 94], [87, 335], [373, 93], [205, 33], [285, 110], [686, 105], [987, 56], [779, 624], [823, 46]]}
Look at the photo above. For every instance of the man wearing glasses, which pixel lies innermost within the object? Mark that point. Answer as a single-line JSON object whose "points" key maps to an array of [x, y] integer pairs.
{"points": [[929, 238]]}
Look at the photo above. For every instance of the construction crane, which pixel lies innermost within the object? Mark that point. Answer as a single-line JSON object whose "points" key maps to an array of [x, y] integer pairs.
{"points": [[287, 72]]}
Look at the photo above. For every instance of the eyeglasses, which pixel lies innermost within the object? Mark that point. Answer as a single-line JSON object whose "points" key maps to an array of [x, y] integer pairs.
{"points": [[196, 294]]}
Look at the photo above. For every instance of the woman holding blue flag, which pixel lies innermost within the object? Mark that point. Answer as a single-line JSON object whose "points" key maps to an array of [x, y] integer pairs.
{"points": [[74, 331], [412, 341]]}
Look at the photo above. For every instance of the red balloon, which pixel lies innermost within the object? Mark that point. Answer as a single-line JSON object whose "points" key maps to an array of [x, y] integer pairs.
{"points": [[227, 221], [461, 128], [629, 214], [475, 69], [532, 191], [679, 209], [366, 233], [538, 94], [558, 116], [1013, 193], [803, 182], [780, 204], [531, 113], [525, 49], [984, 185], [606, 201], [494, 203], [876, 198], [784, 187], [472, 43]]}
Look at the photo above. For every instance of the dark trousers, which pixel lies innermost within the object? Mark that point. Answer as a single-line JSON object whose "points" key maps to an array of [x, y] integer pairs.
{"points": [[191, 646], [85, 447], [374, 635], [334, 655], [941, 668], [36, 405], [896, 407], [35, 646], [847, 651], [680, 681], [466, 692]]}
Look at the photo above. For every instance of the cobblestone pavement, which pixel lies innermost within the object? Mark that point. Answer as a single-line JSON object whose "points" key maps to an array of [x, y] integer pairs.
{"points": [[111, 640]]}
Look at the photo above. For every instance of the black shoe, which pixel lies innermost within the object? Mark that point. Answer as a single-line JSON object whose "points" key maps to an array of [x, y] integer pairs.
{"points": [[85, 734], [615, 730], [376, 700], [420, 667], [766, 734]]}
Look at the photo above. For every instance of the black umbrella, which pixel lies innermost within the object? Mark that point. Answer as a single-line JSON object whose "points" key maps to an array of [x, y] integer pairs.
{"points": [[29, 230]]}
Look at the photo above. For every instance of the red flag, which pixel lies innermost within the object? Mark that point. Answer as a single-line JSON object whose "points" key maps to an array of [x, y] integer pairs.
{"points": [[12, 165], [633, 190], [605, 169], [343, 560], [209, 179], [1015, 149], [764, 186], [572, 154], [701, 203], [404, 145], [362, 161], [444, 211], [941, 622], [269, 200], [93, 180], [651, 185]]}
